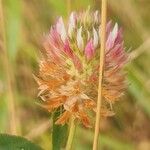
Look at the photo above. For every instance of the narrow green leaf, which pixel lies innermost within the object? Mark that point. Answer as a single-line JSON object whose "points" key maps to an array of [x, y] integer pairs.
{"points": [[59, 133], [10, 142]]}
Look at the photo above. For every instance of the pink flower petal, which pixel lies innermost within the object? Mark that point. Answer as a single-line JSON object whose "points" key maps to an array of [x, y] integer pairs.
{"points": [[89, 50], [77, 63], [67, 49]]}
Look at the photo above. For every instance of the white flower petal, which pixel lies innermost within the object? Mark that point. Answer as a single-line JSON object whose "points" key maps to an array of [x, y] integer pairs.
{"points": [[95, 38], [60, 27], [115, 31], [96, 16], [72, 23], [112, 37], [80, 42]]}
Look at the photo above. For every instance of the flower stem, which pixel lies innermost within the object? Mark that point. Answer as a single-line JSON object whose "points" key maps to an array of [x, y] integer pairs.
{"points": [[101, 68], [9, 77], [71, 134]]}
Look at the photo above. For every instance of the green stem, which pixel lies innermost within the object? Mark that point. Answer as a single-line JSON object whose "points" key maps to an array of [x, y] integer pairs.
{"points": [[71, 134]]}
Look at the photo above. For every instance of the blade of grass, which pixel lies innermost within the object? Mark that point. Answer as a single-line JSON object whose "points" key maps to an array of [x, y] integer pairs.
{"points": [[71, 134]]}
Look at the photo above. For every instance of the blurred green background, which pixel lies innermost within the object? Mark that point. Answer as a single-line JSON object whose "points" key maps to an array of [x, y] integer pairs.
{"points": [[22, 25]]}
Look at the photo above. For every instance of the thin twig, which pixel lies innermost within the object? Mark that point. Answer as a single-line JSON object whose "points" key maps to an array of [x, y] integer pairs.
{"points": [[71, 134], [11, 104], [101, 68]]}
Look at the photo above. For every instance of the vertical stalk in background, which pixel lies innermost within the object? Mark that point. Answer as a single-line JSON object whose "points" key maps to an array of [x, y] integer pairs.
{"points": [[101, 68], [11, 103], [71, 134], [68, 6]]}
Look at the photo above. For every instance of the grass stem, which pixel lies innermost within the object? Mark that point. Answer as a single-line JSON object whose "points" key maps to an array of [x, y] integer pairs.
{"points": [[9, 77], [71, 134], [69, 6], [101, 68]]}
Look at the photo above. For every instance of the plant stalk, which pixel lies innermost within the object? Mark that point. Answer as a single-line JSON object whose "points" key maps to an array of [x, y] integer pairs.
{"points": [[101, 69], [71, 134], [9, 78], [68, 6]]}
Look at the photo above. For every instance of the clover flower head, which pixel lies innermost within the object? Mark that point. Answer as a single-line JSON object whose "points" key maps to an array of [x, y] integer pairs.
{"points": [[68, 75]]}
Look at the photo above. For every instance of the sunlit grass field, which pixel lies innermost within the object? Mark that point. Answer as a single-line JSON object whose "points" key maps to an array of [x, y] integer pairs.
{"points": [[25, 22]]}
